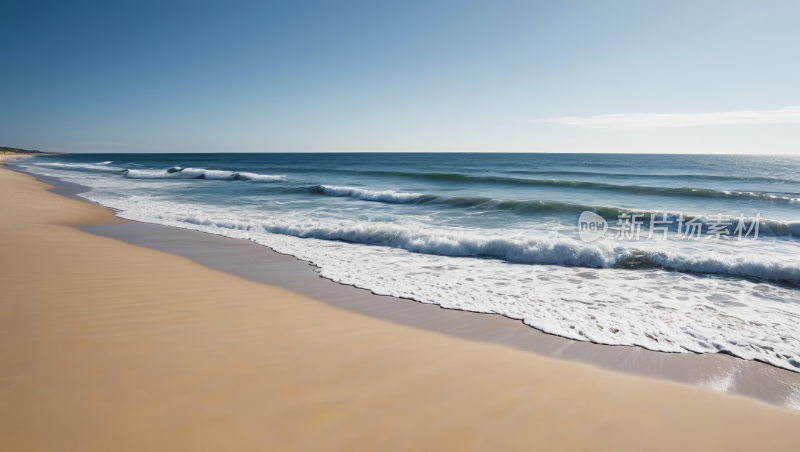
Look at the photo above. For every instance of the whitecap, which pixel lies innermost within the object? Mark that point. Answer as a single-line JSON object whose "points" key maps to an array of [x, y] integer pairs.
{"points": [[389, 196]]}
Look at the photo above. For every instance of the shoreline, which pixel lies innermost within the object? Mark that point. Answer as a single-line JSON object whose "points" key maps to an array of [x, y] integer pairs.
{"points": [[108, 345], [246, 259]]}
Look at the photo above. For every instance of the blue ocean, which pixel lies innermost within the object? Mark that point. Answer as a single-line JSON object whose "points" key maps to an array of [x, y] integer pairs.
{"points": [[702, 252]]}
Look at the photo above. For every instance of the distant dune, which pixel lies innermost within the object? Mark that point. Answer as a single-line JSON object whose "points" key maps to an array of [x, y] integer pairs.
{"points": [[15, 151]]}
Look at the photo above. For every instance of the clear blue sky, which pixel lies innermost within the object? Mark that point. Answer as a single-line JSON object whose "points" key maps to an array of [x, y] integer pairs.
{"points": [[322, 76]]}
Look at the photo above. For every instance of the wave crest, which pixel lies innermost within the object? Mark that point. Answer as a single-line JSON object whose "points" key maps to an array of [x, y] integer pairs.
{"points": [[200, 173], [636, 189], [529, 250], [389, 196]]}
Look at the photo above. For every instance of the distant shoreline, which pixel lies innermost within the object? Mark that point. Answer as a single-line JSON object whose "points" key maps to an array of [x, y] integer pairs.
{"points": [[15, 151]]}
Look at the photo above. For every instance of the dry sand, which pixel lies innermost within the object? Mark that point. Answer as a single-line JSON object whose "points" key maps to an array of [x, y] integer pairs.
{"points": [[109, 346]]}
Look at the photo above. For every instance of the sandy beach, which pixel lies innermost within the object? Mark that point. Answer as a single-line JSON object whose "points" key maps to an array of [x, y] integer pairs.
{"points": [[111, 346]]}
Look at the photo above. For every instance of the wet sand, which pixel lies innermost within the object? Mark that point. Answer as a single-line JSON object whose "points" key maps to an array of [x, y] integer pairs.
{"points": [[109, 346]]}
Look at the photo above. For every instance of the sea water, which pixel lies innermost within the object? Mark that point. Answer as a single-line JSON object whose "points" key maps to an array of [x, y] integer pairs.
{"points": [[498, 233]]}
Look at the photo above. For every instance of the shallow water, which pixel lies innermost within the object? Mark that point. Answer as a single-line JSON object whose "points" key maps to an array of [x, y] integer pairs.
{"points": [[498, 233]]}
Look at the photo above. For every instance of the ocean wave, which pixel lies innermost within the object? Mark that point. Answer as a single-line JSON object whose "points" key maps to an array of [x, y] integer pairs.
{"points": [[538, 207], [715, 263], [767, 227], [776, 197], [389, 196], [460, 176], [526, 206], [144, 174], [81, 166], [260, 177], [217, 175], [475, 202], [635, 189], [201, 173], [777, 227], [735, 179], [419, 239], [553, 250]]}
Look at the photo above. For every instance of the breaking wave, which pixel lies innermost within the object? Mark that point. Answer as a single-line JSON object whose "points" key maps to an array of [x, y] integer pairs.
{"points": [[715, 263], [389, 196], [200, 173], [175, 172], [552, 250], [535, 207], [418, 239], [81, 166]]}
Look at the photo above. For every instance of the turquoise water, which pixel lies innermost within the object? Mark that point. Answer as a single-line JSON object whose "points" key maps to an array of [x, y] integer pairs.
{"points": [[498, 233]]}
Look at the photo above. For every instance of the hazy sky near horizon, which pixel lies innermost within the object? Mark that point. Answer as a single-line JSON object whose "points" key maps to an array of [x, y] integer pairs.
{"points": [[416, 76]]}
